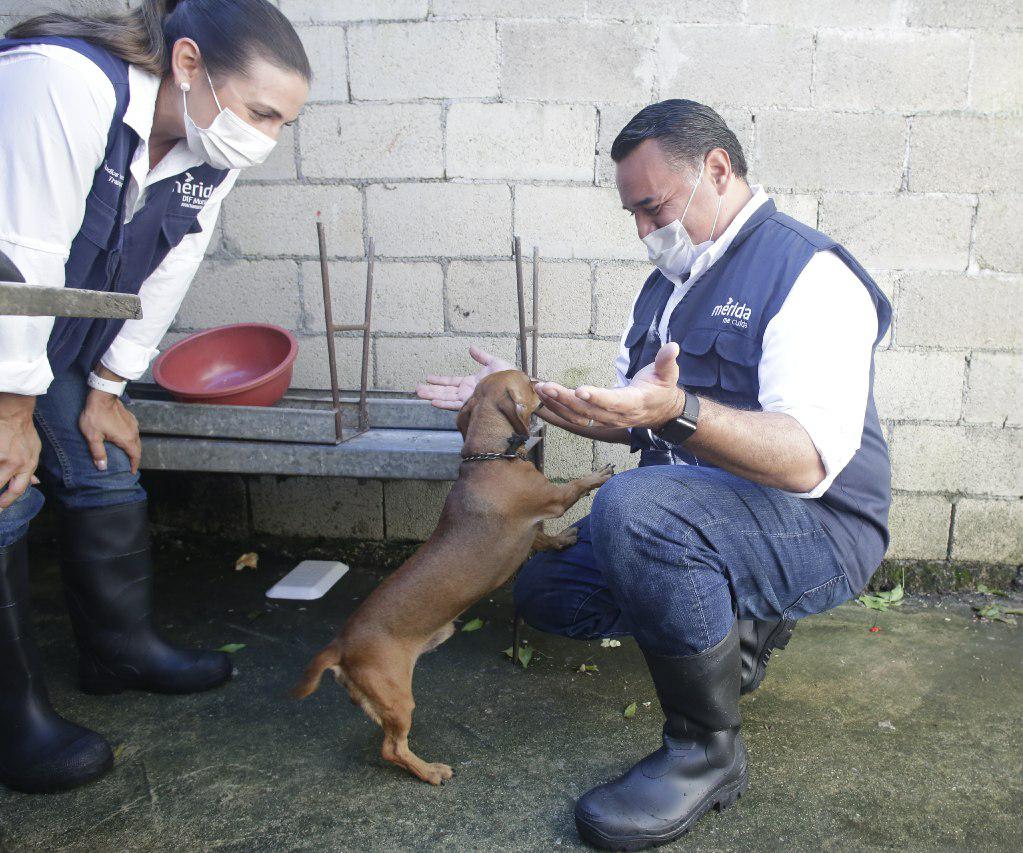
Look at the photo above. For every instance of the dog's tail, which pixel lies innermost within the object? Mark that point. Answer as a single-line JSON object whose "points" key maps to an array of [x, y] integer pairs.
{"points": [[328, 658]]}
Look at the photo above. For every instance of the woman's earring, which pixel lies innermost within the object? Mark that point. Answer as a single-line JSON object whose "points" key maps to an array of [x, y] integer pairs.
{"points": [[185, 87]]}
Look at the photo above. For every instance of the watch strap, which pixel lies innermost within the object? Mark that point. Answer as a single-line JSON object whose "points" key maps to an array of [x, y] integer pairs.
{"points": [[678, 430], [107, 385]]}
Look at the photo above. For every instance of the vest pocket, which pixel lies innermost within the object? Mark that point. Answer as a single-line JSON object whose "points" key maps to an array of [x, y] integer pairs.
{"points": [[93, 252], [176, 227], [714, 357], [98, 222]]}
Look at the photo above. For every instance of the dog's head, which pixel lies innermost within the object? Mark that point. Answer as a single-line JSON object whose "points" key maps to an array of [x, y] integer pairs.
{"points": [[501, 400]]}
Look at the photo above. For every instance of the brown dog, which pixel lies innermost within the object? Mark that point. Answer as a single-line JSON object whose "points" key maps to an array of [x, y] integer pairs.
{"points": [[489, 523]]}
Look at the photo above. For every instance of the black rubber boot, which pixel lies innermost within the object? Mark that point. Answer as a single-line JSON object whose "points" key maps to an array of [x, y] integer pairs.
{"points": [[108, 579], [757, 639], [40, 751], [701, 765]]}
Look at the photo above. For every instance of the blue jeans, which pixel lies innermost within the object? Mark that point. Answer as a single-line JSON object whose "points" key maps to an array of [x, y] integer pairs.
{"points": [[672, 553], [65, 464]]}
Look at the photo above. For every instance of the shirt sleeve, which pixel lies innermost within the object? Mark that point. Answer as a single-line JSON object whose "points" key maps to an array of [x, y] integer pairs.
{"points": [[162, 293], [55, 114], [816, 360]]}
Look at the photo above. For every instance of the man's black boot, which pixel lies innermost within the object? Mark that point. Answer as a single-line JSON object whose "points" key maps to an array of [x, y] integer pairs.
{"points": [[701, 765], [108, 579], [757, 639], [40, 751]]}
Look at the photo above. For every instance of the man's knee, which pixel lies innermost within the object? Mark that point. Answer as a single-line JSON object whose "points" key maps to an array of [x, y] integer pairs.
{"points": [[617, 505], [634, 506]]}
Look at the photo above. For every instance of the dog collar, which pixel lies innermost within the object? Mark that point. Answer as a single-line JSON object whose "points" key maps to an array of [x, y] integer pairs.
{"points": [[486, 457], [514, 443]]}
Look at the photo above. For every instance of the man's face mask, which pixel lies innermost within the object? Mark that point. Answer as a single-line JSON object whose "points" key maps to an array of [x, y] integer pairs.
{"points": [[671, 249], [229, 142]]}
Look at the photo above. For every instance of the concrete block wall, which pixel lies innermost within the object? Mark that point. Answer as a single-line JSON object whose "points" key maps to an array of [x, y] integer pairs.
{"points": [[440, 128]]}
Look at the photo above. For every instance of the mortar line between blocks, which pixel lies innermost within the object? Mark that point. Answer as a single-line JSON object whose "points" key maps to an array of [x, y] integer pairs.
{"points": [[951, 530]]}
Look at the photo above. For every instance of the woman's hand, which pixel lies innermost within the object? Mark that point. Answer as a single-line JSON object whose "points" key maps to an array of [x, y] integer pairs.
{"points": [[105, 418], [451, 392], [19, 447]]}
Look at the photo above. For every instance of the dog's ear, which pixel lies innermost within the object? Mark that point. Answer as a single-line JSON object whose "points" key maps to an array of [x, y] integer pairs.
{"points": [[515, 411], [464, 414]]}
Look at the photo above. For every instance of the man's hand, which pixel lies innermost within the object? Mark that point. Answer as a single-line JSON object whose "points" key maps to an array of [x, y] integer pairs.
{"points": [[451, 392], [19, 446], [651, 399], [105, 418]]}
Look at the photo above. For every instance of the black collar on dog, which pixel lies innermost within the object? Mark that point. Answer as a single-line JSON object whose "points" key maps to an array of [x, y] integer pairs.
{"points": [[514, 443]]}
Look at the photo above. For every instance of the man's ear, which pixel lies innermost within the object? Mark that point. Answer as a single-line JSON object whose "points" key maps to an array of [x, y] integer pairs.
{"points": [[516, 412], [464, 415]]}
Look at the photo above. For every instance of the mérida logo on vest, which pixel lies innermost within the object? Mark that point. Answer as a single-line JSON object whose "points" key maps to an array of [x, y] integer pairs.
{"points": [[193, 193], [733, 313]]}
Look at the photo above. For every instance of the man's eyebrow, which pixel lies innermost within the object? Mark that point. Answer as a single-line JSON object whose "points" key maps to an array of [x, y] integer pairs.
{"points": [[643, 202], [266, 110]]}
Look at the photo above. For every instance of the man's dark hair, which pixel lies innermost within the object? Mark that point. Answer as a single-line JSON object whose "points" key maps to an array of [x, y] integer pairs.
{"points": [[686, 130]]}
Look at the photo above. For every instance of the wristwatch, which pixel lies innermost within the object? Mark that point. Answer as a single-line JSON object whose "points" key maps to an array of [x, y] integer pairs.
{"points": [[107, 385], [678, 430]]}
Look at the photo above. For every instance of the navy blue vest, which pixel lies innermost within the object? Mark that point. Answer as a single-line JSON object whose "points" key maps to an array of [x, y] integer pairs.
{"points": [[719, 326], [107, 254]]}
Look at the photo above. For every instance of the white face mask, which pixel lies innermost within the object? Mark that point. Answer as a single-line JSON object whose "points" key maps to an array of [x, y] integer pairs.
{"points": [[671, 249], [229, 142]]}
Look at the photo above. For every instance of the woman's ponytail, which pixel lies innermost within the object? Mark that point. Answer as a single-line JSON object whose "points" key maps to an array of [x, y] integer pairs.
{"points": [[229, 33]]}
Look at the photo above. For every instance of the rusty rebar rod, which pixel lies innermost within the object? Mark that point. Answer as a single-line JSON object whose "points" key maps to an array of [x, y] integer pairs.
{"points": [[364, 383], [328, 317], [520, 289], [539, 452]]}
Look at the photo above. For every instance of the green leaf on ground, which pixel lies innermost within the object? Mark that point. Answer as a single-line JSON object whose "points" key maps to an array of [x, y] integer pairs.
{"points": [[630, 710], [231, 648], [473, 625], [995, 613], [525, 655], [588, 667], [984, 589], [883, 601]]}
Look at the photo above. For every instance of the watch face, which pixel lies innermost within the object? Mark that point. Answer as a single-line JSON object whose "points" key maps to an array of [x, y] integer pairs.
{"points": [[676, 431]]}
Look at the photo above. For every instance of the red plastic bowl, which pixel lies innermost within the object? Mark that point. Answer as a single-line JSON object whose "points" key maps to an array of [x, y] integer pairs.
{"points": [[244, 364]]}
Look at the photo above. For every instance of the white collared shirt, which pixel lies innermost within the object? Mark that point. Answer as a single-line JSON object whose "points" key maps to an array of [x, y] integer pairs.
{"points": [[56, 107], [814, 370]]}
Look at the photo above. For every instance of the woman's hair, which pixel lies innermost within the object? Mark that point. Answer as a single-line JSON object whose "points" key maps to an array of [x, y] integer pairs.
{"points": [[230, 34]]}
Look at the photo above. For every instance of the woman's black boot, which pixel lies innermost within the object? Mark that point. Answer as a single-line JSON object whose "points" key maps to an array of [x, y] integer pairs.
{"points": [[108, 579], [40, 751], [700, 766]]}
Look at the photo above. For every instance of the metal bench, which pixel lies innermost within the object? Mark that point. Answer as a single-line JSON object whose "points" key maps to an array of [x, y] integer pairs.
{"points": [[368, 434], [405, 439]]}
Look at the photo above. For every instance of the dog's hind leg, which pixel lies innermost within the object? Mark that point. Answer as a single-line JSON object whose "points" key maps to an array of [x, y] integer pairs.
{"points": [[439, 637], [389, 697], [397, 723]]}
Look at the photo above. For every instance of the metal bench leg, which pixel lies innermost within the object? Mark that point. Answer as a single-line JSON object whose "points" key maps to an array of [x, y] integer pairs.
{"points": [[516, 631]]}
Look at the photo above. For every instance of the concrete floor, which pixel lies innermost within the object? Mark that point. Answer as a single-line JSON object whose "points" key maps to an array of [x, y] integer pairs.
{"points": [[908, 739]]}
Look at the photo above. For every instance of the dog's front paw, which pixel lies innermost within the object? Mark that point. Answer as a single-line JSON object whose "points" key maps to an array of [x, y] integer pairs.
{"points": [[566, 539]]}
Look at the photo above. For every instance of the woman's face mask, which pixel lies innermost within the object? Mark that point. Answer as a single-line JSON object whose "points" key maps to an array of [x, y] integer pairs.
{"points": [[671, 249], [229, 142]]}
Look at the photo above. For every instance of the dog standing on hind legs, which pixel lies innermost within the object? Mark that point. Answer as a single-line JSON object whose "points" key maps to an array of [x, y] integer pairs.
{"points": [[490, 522]]}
